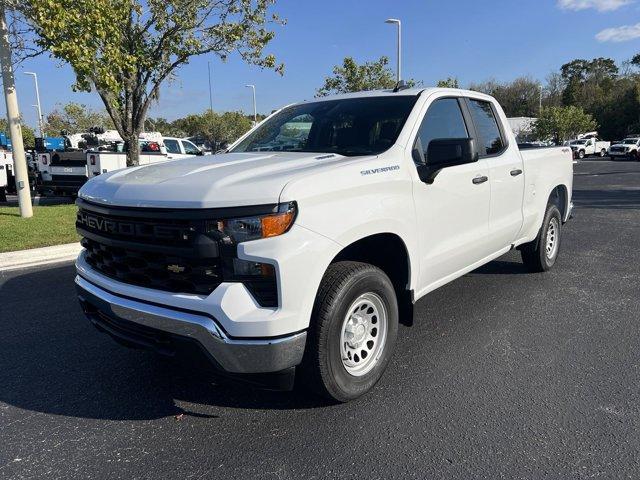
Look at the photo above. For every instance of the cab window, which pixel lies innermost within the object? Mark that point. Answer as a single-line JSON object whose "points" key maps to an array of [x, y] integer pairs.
{"points": [[190, 148], [443, 120], [172, 146]]}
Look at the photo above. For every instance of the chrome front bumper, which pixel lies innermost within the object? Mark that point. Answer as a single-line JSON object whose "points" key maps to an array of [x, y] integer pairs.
{"points": [[148, 325]]}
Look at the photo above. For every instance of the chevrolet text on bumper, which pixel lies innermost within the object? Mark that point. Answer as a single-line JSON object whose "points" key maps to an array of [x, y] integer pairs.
{"points": [[290, 255]]}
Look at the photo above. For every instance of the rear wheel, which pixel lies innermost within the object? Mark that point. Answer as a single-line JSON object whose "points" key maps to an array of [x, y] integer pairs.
{"points": [[581, 154], [352, 333], [603, 153], [541, 254]]}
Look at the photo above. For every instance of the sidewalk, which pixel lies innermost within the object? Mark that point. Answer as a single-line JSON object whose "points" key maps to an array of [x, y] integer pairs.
{"points": [[38, 256]]}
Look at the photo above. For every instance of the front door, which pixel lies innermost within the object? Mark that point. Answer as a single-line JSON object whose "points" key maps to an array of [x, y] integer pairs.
{"points": [[453, 211]]}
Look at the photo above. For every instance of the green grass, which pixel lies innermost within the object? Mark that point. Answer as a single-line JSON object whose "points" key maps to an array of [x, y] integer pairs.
{"points": [[50, 225]]}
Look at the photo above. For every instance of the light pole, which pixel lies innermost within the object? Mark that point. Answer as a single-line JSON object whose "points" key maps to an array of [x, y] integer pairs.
{"points": [[210, 91], [13, 119], [399, 23], [255, 111], [40, 119], [540, 109]]}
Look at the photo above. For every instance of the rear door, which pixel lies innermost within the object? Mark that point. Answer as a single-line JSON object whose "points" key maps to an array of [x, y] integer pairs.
{"points": [[453, 211], [506, 173]]}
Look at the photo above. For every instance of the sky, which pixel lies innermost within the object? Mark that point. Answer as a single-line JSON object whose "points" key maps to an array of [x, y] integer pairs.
{"points": [[473, 40]]}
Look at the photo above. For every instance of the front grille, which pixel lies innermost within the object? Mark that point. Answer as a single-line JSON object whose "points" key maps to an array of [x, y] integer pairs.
{"points": [[167, 250], [617, 149], [154, 269]]}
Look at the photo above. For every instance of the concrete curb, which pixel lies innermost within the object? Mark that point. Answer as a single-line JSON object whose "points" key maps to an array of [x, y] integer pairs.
{"points": [[38, 256]]}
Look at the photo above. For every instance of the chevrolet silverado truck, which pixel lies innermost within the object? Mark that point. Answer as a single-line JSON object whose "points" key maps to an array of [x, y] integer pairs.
{"points": [[297, 251], [627, 148]]}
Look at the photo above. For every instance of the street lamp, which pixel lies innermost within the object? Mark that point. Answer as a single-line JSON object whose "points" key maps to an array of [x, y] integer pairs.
{"points": [[540, 107], [40, 118], [399, 23], [255, 111]]}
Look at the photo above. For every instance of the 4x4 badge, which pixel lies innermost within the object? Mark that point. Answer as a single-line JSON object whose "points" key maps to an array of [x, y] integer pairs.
{"points": [[176, 268]]}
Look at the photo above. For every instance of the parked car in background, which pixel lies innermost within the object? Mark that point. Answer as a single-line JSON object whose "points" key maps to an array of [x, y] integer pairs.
{"points": [[627, 148], [295, 252], [177, 148], [585, 147]]}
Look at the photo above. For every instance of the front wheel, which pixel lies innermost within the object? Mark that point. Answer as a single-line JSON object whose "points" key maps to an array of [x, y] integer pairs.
{"points": [[353, 330], [541, 254]]}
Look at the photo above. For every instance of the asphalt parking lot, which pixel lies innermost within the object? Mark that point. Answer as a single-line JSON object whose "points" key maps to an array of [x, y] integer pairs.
{"points": [[504, 374]]}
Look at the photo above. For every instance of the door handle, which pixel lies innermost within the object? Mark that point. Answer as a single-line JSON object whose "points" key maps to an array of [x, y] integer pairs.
{"points": [[516, 172], [480, 179]]}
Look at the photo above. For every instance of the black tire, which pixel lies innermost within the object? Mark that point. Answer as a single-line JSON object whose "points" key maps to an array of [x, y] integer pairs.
{"points": [[322, 369], [534, 254], [581, 154], [603, 153]]}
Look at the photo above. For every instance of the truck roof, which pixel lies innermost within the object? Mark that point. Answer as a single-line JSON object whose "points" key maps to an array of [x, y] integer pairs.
{"points": [[391, 93]]}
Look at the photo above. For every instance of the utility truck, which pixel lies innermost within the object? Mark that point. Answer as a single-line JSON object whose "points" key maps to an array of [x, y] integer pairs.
{"points": [[589, 146], [151, 151], [296, 253]]}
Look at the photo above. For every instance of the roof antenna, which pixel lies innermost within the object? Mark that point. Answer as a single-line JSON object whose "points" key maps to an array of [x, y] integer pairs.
{"points": [[401, 85]]}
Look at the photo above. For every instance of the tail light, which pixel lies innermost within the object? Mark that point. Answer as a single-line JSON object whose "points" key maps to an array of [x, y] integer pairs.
{"points": [[44, 159], [92, 159]]}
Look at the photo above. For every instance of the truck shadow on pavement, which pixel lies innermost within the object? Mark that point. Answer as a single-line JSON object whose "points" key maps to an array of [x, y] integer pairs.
{"points": [[54, 361]]}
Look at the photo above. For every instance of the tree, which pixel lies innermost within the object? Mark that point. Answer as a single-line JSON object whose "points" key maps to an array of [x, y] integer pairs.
{"points": [[351, 77], [213, 127], [449, 82], [76, 118], [126, 49], [587, 81], [519, 98], [563, 123], [28, 135]]}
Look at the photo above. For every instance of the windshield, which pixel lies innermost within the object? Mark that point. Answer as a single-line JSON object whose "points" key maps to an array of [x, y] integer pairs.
{"points": [[352, 126], [630, 141]]}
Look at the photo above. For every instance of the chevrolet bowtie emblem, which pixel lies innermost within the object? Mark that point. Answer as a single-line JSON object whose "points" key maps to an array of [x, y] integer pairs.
{"points": [[175, 268]]}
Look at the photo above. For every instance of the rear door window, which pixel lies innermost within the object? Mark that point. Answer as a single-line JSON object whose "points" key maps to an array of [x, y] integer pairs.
{"points": [[490, 141]]}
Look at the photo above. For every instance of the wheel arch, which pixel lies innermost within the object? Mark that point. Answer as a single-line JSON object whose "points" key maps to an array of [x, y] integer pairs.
{"points": [[560, 196], [389, 252]]}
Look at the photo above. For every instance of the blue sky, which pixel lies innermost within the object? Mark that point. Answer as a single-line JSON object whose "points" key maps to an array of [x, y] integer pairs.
{"points": [[470, 39]]}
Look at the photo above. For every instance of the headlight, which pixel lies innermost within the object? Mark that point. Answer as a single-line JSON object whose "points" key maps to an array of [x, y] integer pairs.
{"points": [[236, 230]]}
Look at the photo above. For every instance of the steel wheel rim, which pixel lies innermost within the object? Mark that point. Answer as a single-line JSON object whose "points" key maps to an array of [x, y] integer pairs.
{"points": [[553, 231], [363, 334]]}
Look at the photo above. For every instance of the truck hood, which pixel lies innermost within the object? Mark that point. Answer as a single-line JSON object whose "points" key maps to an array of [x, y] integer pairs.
{"points": [[232, 179]]}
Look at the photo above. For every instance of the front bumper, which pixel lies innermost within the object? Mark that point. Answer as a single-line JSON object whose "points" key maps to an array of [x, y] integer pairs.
{"points": [[162, 329]]}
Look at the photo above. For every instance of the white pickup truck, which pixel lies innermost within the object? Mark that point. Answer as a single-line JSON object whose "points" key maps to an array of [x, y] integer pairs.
{"points": [[296, 251], [628, 148], [586, 147]]}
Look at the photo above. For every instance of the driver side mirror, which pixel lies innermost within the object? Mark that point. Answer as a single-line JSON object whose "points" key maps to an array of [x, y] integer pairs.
{"points": [[444, 153]]}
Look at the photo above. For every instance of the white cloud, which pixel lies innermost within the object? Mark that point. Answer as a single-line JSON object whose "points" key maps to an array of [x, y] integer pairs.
{"points": [[619, 34], [600, 5]]}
